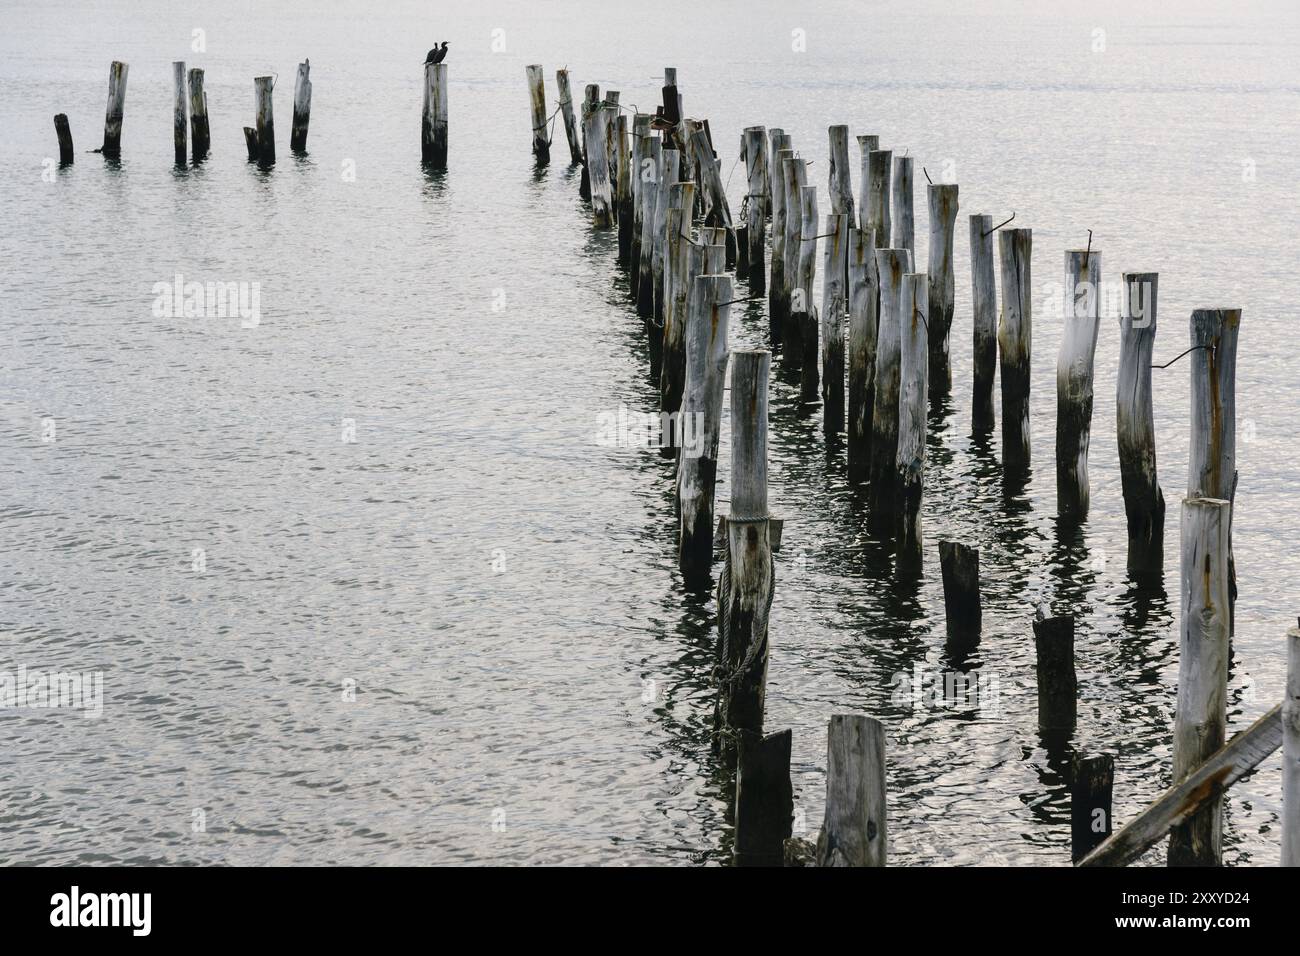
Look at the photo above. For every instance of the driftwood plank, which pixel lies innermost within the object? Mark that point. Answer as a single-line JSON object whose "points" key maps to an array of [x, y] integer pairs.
{"points": [[1242, 754]]}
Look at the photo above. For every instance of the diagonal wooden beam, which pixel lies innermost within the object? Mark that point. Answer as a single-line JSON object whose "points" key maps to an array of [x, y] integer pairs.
{"points": [[1238, 757]]}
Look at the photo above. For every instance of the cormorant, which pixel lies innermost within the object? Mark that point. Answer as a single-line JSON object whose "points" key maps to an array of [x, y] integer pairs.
{"points": [[437, 55]]}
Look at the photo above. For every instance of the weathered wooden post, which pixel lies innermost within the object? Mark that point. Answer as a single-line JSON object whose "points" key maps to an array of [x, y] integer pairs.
{"points": [[863, 300], [566, 110], [795, 172], [180, 112], [1212, 465], [1015, 337], [745, 586], [651, 159], [878, 218], [1144, 502], [716, 211], [984, 306], [854, 831], [764, 800], [537, 99], [1091, 787], [803, 308], [250, 140], [640, 139], [963, 616], [1082, 309], [776, 137], [834, 308], [433, 135], [112, 147], [623, 191], [1058, 687], [777, 298], [590, 101], [1200, 718], [904, 223], [669, 168], [1291, 752], [701, 416], [942, 200], [302, 111], [913, 392], [866, 145], [840, 177], [598, 168], [676, 294], [262, 88], [756, 210], [612, 112], [64, 133], [891, 264], [199, 130]]}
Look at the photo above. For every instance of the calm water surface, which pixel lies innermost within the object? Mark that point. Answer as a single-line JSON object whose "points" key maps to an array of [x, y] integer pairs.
{"points": [[500, 590]]}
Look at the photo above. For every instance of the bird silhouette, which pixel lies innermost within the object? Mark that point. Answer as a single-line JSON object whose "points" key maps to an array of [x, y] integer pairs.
{"points": [[437, 54]]}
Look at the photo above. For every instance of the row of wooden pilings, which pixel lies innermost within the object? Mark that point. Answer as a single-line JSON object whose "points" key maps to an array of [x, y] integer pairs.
{"points": [[656, 178], [192, 136]]}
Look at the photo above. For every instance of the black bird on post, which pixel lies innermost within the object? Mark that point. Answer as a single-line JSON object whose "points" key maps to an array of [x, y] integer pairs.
{"points": [[437, 54]]}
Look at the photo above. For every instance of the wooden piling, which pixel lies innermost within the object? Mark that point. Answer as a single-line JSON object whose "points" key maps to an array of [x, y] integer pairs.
{"points": [[433, 134], [716, 211], [756, 208], [1015, 337], [745, 586], [1212, 466], [878, 218], [807, 317], [1144, 502], [250, 140], [302, 111], [623, 191], [612, 112], [701, 415], [1057, 685], [262, 88], [795, 173], [1291, 752], [180, 113], [984, 307], [1200, 717], [867, 144], [199, 129], [651, 157], [835, 307], [776, 137], [913, 405], [840, 177], [904, 235], [1082, 309], [764, 800], [963, 617], [640, 137], [941, 295], [669, 173], [64, 132], [590, 102], [854, 832], [891, 264], [566, 111], [778, 302], [677, 288], [1091, 787], [602, 214], [112, 147], [537, 101], [863, 301]]}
